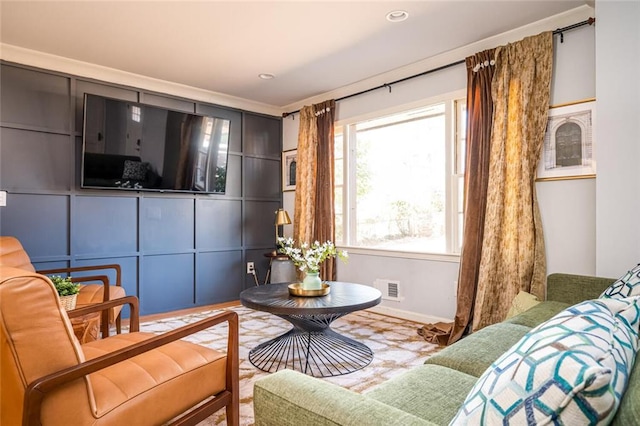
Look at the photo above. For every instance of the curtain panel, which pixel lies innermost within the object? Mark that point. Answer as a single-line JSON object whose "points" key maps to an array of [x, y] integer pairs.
{"points": [[314, 209], [480, 70], [513, 256]]}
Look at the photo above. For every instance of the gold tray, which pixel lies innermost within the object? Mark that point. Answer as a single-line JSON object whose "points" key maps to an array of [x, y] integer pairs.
{"points": [[296, 289]]}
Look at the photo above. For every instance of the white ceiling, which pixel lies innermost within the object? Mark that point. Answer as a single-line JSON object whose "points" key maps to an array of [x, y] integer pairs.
{"points": [[312, 47]]}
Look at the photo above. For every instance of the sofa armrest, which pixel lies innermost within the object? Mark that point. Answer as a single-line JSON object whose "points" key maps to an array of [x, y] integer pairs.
{"points": [[572, 289], [289, 398]]}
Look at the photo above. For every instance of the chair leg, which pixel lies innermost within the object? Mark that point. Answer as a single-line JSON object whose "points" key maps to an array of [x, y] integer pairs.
{"points": [[119, 324], [233, 414]]}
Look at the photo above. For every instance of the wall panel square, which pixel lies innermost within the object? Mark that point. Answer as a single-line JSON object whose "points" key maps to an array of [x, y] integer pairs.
{"points": [[261, 135], [219, 277], [34, 98], [262, 177], [218, 224], [35, 161], [259, 225], [167, 224], [167, 102], [128, 266], [105, 225], [40, 222], [167, 283]]}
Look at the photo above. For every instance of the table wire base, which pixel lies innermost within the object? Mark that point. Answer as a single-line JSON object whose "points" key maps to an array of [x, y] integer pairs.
{"points": [[313, 348]]}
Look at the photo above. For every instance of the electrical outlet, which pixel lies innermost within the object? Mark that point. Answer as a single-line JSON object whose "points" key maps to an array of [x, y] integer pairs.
{"points": [[251, 268]]}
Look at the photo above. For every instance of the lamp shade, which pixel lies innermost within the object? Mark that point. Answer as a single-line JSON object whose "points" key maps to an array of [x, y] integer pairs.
{"points": [[282, 217]]}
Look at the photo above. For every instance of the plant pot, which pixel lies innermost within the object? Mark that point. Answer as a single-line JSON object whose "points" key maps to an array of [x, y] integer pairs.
{"points": [[69, 302], [312, 281]]}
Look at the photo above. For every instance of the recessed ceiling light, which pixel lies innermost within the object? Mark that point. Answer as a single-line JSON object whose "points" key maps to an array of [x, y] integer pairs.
{"points": [[266, 76], [397, 16]]}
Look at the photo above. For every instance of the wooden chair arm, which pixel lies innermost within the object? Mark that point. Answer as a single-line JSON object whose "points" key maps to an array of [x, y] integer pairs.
{"points": [[70, 269], [132, 301], [105, 297], [37, 390]]}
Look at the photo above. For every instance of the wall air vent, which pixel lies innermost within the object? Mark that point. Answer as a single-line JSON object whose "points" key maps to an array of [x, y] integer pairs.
{"points": [[390, 289]]}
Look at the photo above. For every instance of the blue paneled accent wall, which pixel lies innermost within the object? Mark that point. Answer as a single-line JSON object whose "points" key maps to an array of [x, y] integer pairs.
{"points": [[176, 250]]}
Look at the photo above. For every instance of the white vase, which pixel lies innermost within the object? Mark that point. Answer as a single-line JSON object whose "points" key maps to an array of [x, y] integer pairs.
{"points": [[312, 281]]}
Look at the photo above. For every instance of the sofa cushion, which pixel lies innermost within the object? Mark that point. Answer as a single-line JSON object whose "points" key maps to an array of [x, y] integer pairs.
{"points": [[522, 302], [431, 392], [629, 411], [572, 369], [538, 314], [475, 353], [626, 286]]}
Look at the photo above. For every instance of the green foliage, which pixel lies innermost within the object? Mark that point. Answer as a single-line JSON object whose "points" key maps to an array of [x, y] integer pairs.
{"points": [[309, 257], [64, 286]]}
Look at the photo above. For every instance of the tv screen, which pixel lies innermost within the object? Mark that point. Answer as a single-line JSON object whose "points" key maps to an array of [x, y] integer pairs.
{"points": [[132, 146]]}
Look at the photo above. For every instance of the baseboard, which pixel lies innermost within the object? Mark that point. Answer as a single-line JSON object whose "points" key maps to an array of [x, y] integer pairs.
{"points": [[409, 316]]}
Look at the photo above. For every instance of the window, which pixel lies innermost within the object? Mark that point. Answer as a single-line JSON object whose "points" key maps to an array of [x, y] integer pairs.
{"points": [[399, 180], [136, 113]]}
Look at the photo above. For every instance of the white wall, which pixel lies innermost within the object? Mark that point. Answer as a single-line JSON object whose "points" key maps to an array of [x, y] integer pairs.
{"points": [[427, 285], [568, 207], [618, 136]]}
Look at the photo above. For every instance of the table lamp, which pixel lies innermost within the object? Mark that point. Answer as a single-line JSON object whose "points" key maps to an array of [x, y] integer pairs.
{"points": [[282, 218]]}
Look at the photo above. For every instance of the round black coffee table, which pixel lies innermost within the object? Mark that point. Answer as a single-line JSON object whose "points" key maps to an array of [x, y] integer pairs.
{"points": [[311, 346]]}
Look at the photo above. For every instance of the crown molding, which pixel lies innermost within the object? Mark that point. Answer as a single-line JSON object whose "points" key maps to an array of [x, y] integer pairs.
{"points": [[46, 61]]}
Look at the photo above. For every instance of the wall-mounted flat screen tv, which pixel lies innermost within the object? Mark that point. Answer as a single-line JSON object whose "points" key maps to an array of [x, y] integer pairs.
{"points": [[133, 146]]}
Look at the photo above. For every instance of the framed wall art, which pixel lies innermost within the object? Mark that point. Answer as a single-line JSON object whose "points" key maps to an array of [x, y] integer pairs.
{"points": [[289, 164], [569, 146]]}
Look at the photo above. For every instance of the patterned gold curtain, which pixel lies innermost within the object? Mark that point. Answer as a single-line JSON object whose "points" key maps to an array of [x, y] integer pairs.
{"points": [[304, 209], [314, 209], [513, 257]]}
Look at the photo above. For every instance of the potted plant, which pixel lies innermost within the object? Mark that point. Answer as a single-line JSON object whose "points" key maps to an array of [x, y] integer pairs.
{"points": [[67, 290], [308, 258]]}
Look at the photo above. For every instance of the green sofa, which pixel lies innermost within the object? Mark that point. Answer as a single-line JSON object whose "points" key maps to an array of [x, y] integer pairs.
{"points": [[430, 394]]}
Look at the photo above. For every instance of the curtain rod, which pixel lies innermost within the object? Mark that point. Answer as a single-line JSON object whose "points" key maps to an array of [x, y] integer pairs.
{"points": [[560, 31]]}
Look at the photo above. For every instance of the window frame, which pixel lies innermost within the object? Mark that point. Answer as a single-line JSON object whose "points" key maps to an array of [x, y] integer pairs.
{"points": [[349, 173]]}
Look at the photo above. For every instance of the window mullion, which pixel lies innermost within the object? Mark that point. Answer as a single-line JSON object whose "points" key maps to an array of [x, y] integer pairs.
{"points": [[350, 199]]}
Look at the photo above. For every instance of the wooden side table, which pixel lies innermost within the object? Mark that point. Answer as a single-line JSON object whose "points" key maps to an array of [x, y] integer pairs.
{"points": [[86, 327]]}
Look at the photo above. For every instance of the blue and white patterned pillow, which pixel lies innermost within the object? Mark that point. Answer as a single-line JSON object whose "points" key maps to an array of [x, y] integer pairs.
{"points": [[626, 286], [571, 370]]}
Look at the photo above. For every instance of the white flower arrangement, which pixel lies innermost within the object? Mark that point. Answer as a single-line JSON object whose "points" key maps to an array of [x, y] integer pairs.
{"points": [[309, 258]]}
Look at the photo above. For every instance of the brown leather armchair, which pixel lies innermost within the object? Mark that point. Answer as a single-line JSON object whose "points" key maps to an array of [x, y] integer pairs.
{"points": [[14, 255], [133, 378]]}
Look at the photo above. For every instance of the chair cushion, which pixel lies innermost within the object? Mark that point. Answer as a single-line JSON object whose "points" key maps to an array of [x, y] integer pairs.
{"points": [[475, 353], [627, 285], [122, 392], [572, 369], [13, 254], [420, 392], [94, 293]]}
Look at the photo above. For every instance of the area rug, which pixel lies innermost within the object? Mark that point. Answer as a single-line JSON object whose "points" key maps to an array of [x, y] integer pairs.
{"points": [[396, 345]]}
